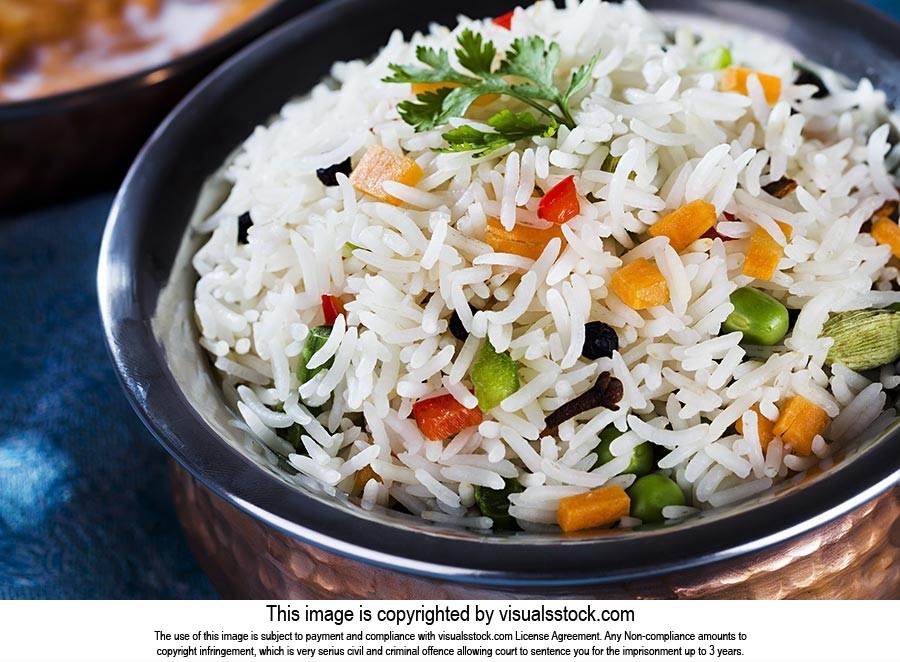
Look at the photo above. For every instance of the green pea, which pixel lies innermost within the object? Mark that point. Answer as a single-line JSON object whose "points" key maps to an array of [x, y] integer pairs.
{"points": [[762, 319], [495, 376], [641, 457], [650, 494]]}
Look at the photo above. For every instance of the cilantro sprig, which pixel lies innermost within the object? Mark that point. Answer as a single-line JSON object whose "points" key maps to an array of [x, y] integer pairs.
{"points": [[508, 127], [531, 60]]}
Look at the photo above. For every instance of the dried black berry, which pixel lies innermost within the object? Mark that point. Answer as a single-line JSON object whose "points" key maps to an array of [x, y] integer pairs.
{"points": [[328, 176], [456, 326], [599, 341], [810, 77], [244, 223]]}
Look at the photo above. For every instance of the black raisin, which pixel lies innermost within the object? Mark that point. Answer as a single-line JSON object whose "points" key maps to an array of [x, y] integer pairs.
{"points": [[599, 341], [244, 223], [810, 77], [328, 176], [456, 326]]}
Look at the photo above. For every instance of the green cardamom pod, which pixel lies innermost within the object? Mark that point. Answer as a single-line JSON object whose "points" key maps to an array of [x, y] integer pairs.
{"points": [[864, 339]]}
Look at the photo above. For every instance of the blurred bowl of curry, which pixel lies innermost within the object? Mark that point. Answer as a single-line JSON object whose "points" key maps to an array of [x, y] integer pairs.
{"points": [[84, 82]]}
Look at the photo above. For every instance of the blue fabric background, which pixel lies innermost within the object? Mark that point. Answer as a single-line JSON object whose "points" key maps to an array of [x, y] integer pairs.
{"points": [[84, 504], [85, 510]]}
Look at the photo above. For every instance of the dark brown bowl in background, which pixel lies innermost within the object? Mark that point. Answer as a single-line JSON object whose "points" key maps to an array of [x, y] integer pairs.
{"points": [[56, 146]]}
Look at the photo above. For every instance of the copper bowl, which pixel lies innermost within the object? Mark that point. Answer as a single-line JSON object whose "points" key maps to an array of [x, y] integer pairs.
{"points": [[79, 141], [856, 556], [833, 534]]}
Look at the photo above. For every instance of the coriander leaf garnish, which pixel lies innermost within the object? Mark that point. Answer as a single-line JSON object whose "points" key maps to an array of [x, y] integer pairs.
{"points": [[426, 110], [475, 54], [530, 59], [508, 128], [580, 78], [439, 69]]}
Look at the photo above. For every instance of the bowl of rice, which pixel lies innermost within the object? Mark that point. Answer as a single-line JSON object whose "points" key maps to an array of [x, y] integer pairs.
{"points": [[596, 299]]}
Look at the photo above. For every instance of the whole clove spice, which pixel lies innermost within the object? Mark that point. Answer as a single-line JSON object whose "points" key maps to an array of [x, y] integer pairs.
{"points": [[606, 392]]}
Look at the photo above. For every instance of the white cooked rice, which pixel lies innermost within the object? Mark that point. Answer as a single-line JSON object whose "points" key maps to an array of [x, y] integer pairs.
{"points": [[413, 265]]}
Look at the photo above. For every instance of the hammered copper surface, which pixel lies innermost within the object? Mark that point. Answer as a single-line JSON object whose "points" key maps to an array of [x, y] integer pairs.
{"points": [[854, 557]]}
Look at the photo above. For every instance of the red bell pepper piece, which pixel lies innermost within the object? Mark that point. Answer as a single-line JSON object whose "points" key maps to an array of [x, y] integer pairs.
{"points": [[505, 21], [560, 203], [440, 417], [331, 308]]}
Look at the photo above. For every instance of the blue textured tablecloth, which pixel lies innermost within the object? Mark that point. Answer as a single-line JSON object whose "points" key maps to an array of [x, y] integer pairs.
{"points": [[84, 503]]}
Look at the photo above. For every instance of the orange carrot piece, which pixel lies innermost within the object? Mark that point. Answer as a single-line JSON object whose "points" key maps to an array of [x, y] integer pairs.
{"points": [[686, 224], [640, 285], [799, 423], [419, 88], [765, 429], [524, 240], [764, 253], [600, 507], [734, 79], [379, 165], [363, 476], [887, 233]]}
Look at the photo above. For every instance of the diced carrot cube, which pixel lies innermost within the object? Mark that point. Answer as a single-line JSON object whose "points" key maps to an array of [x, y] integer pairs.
{"points": [[524, 240], [765, 429], [640, 285], [379, 165], [764, 253], [799, 423], [686, 224], [734, 79], [420, 88], [889, 210], [600, 507], [887, 233], [363, 476]]}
